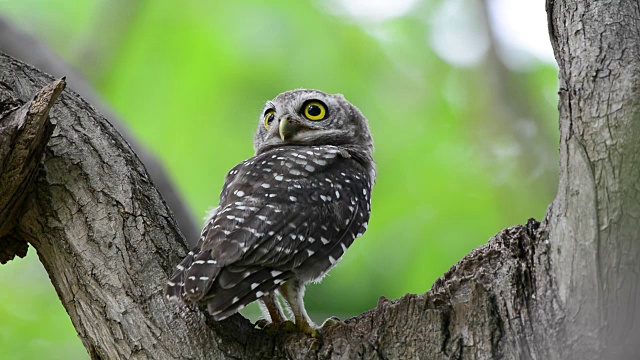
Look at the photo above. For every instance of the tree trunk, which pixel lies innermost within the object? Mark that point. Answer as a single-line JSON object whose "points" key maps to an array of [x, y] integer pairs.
{"points": [[594, 221], [565, 288]]}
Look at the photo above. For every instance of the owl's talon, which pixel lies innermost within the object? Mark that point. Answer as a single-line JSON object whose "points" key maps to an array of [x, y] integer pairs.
{"points": [[288, 326], [315, 333], [334, 320], [309, 329]]}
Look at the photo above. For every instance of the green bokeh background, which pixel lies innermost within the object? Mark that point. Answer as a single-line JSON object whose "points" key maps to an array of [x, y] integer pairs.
{"points": [[463, 150]]}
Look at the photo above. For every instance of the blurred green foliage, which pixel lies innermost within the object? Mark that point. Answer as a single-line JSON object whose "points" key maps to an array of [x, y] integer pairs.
{"points": [[462, 152]]}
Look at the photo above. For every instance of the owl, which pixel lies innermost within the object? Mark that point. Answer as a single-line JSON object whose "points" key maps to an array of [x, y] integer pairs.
{"points": [[286, 215]]}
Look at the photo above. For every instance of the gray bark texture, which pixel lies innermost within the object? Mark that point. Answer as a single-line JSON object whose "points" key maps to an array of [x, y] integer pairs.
{"points": [[594, 221], [565, 288]]}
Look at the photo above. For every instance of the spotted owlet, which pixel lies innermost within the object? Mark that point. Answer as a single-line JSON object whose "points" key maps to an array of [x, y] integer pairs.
{"points": [[286, 215]]}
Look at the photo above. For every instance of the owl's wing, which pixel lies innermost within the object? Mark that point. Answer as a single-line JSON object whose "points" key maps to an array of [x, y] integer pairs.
{"points": [[299, 224]]}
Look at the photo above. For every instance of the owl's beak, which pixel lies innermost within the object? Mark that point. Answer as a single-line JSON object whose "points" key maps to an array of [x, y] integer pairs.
{"points": [[286, 128]]}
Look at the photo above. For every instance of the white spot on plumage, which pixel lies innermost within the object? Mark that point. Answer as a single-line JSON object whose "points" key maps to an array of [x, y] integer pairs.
{"points": [[199, 262], [332, 260], [294, 172], [235, 300], [337, 194], [254, 285], [179, 267], [278, 177], [171, 283], [265, 185], [310, 252], [204, 278], [293, 198], [191, 277], [239, 193], [324, 240], [213, 262], [275, 273], [344, 247], [309, 168], [259, 293]]}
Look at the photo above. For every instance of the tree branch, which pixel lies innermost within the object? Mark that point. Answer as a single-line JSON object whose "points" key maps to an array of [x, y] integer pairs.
{"points": [[23, 136], [108, 243]]}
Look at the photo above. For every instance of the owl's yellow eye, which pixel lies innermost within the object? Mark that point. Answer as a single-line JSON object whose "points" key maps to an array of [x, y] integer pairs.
{"points": [[314, 110], [269, 116]]}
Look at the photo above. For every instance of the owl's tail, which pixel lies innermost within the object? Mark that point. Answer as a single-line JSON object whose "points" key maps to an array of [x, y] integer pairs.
{"points": [[236, 288], [193, 278]]}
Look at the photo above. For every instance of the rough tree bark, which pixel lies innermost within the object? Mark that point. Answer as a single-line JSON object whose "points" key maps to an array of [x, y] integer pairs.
{"points": [[594, 221], [561, 289]]}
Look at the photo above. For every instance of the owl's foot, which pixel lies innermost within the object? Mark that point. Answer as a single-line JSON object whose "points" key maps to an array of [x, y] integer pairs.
{"points": [[309, 329], [290, 327], [334, 320]]}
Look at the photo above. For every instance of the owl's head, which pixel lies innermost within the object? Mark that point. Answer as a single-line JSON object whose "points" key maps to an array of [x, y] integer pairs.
{"points": [[311, 117]]}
